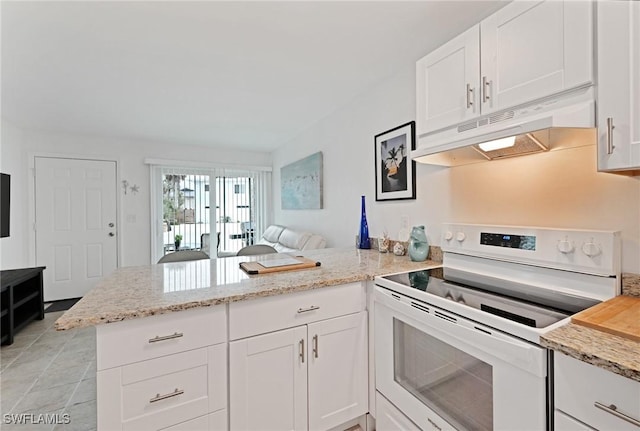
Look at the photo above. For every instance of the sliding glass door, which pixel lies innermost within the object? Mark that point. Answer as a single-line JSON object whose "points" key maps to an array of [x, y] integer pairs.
{"points": [[185, 219]]}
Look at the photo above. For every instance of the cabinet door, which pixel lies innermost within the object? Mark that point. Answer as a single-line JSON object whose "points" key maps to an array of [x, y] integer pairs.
{"points": [[534, 49], [268, 381], [618, 85], [447, 83], [338, 371]]}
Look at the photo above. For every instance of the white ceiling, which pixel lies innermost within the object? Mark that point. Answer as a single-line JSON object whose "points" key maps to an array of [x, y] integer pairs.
{"points": [[245, 75]]}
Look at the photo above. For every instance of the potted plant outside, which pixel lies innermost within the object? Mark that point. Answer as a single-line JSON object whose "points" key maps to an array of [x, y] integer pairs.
{"points": [[177, 240]]}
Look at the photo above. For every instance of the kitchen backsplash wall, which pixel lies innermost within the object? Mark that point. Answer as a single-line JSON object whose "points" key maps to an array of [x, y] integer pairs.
{"points": [[557, 189]]}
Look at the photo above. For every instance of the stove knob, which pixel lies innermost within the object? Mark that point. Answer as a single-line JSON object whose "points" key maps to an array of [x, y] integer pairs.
{"points": [[460, 237], [591, 249], [565, 246], [448, 235]]}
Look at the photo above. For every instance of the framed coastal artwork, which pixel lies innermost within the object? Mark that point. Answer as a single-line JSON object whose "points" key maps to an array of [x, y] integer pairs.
{"points": [[301, 183], [395, 171]]}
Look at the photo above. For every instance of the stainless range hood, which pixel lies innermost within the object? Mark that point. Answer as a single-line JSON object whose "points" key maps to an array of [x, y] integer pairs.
{"points": [[533, 127]]}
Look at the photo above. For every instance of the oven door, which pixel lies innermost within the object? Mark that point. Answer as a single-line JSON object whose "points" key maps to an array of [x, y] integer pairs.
{"points": [[447, 372]]}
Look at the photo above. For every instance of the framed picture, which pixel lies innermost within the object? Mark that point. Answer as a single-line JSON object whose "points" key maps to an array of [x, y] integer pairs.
{"points": [[301, 183], [395, 171]]}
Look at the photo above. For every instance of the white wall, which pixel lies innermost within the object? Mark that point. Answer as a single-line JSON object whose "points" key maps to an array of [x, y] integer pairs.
{"points": [[16, 155], [557, 189]]}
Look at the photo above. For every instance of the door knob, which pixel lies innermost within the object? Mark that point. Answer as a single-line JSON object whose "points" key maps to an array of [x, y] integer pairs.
{"points": [[112, 234], [111, 225]]}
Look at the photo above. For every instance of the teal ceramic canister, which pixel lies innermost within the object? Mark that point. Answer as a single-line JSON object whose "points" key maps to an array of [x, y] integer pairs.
{"points": [[418, 245]]}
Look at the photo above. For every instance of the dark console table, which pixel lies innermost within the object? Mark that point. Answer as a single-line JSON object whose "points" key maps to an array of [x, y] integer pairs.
{"points": [[21, 300]]}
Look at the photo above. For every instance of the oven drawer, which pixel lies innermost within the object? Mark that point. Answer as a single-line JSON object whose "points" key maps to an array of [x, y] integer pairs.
{"points": [[137, 340], [580, 387], [389, 418], [259, 316]]}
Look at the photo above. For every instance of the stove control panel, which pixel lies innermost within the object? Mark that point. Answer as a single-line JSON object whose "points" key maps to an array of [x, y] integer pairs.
{"points": [[591, 251]]}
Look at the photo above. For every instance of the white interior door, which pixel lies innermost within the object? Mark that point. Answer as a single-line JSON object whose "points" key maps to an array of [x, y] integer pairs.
{"points": [[75, 224]]}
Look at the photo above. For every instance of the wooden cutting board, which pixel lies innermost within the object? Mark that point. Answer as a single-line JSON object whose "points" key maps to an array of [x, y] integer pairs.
{"points": [[619, 316], [256, 268]]}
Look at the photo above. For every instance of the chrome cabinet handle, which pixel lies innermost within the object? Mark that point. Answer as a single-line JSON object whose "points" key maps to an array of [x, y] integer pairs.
{"points": [[315, 346], [613, 409], [469, 96], [486, 89], [159, 397], [305, 310], [610, 128], [301, 350], [166, 337]]}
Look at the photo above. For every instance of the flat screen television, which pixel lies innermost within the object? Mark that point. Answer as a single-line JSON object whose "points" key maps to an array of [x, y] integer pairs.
{"points": [[5, 201]]}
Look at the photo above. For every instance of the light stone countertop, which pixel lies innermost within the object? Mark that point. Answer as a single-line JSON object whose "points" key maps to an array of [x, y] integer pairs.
{"points": [[610, 352], [134, 292], [607, 351]]}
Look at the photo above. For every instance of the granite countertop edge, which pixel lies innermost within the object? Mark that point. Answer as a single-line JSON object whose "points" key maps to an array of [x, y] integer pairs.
{"points": [[607, 351], [89, 312]]}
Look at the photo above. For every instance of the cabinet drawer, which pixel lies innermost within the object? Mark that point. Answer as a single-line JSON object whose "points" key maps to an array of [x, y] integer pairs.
{"points": [[214, 422], [247, 318], [152, 337], [164, 391], [563, 422], [579, 386]]}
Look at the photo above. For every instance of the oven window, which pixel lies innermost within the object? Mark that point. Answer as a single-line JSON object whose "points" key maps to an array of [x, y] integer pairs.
{"points": [[451, 382]]}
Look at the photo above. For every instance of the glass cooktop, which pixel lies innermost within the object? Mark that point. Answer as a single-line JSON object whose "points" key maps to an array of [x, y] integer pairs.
{"points": [[524, 307]]}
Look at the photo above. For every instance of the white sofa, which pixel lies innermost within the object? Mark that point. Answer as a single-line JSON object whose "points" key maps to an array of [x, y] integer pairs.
{"points": [[286, 240]]}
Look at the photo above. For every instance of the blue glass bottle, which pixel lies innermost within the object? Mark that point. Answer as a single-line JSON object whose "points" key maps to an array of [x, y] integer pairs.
{"points": [[363, 237]]}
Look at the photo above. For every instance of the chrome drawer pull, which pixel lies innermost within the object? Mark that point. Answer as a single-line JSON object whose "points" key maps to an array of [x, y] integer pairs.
{"points": [[166, 337], [613, 409], [610, 128], [315, 346], [469, 96], [301, 350], [486, 89], [159, 397], [304, 310]]}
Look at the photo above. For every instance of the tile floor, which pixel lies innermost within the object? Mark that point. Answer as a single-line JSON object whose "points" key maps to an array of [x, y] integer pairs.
{"points": [[47, 371]]}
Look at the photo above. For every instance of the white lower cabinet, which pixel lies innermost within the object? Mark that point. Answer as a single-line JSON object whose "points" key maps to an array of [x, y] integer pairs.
{"points": [[588, 397], [268, 381], [309, 376], [167, 376], [214, 422], [389, 418], [565, 422], [338, 370]]}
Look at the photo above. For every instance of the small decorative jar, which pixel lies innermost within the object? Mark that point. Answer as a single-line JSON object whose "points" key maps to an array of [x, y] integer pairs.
{"points": [[418, 245], [383, 243], [398, 249]]}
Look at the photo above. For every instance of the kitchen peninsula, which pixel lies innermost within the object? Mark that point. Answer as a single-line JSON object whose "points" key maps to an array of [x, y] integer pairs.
{"points": [[134, 292], [291, 346]]}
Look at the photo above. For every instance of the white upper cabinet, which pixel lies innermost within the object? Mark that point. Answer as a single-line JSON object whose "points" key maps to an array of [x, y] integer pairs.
{"points": [[525, 52], [618, 85], [535, 49], [447, 82]]}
